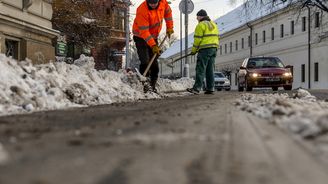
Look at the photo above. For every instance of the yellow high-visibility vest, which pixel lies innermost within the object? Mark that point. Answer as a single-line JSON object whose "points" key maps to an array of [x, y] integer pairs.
{"points": [[206, 36]]}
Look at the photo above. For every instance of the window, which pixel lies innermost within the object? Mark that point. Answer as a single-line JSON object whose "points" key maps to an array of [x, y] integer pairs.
{"points": [[292, 27], [230, 47], [272, 33], [303, 72], [263, 34], [236, 45], [225, 48], [317, 19], [242, 43], [316, 72], [281, 31], [220, 49], [255, 38], [303, 24], [118, 19], [12, 48]]}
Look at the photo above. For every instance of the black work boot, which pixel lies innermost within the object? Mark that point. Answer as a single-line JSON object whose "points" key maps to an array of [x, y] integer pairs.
{"points": [[208, 92], [192, 90], [153, 85], [146, 87]]}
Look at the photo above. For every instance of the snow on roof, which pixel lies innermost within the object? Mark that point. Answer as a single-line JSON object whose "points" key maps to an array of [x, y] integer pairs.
{"points": [[236, 18]]}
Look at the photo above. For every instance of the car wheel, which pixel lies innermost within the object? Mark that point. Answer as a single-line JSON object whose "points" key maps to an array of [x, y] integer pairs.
{"points": [[274, 88], [248, 88], [219, 89], [228, 89], [288, 88]]}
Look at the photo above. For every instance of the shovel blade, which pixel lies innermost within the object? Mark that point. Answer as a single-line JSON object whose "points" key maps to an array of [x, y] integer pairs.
{"points": [[141, 77]]}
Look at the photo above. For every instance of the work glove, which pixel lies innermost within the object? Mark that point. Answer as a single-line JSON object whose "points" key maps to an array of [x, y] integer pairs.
{"points": [[193, 51], [156, 50], [169, 32]]}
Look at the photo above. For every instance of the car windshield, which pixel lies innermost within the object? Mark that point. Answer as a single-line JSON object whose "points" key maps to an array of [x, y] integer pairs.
{"points": [[219, 75], [264, 63]]}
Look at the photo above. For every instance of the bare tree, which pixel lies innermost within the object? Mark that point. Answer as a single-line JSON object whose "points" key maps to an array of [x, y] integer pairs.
{"points": [[321, 4], [82, 21]]}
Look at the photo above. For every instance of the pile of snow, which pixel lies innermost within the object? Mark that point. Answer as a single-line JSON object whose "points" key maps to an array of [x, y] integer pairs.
{"points": [[300, 113], [25, 87]]}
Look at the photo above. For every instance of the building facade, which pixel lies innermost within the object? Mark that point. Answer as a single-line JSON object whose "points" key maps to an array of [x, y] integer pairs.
{"points": [[285, 33], [100, 33], [109, 54], [26, 30]]}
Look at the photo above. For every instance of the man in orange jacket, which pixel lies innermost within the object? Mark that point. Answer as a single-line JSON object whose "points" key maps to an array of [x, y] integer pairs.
{"points": [[146, 28]]}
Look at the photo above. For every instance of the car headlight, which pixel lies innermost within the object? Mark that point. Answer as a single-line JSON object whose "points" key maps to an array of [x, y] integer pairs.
{"points": [[227, 82], [255, 75], [287, 74]]}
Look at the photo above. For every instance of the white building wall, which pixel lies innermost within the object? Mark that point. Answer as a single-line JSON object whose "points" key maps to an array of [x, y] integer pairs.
{"points": [[291, 49]]}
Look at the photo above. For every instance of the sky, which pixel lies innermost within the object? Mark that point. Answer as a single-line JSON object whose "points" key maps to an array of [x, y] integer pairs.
{"points": [[214, 8]]}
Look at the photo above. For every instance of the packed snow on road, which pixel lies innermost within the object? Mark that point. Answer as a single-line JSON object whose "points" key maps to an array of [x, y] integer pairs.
{"points": [[27, 88], [300, 113]]}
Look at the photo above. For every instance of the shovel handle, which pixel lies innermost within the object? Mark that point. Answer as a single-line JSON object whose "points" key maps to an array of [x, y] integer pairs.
{"points": [[178, 59], [153, 58]]}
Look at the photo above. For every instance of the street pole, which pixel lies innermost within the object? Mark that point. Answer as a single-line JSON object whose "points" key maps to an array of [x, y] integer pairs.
{"points": [[181, 65], [309, 44], [186, 40], [127, 36]]}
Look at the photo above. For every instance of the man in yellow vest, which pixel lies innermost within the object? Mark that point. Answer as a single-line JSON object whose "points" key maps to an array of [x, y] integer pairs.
{"points": [[206, 43]]}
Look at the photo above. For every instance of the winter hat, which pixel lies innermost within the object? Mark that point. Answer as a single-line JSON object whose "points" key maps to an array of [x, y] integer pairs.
{"points": [[202, 13], [152, 1]]}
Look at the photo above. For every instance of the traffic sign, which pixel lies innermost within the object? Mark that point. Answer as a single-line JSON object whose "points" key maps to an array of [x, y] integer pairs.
{"points": [[190, 6]]}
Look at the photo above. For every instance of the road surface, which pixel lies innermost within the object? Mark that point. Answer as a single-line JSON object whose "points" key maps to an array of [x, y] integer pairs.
{"points": [[202, 139]]}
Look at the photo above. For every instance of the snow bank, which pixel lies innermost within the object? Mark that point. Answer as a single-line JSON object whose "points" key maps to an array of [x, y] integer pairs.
{"points": [[299, 113], [27, 88]]}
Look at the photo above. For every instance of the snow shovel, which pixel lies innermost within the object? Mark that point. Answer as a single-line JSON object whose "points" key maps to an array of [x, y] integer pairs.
{"points": [[143, 77], [170, 64]]}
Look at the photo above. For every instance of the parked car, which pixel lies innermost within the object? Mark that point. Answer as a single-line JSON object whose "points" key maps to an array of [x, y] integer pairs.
{"points": [[256, 72], [220, 82]]}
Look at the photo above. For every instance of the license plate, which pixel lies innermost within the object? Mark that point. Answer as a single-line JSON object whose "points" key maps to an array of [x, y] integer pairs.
{"points": [[273, 79]]}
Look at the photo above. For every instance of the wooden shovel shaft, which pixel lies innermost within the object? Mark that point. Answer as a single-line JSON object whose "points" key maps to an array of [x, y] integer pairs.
{"points": [[179, 59], [153, 58]]}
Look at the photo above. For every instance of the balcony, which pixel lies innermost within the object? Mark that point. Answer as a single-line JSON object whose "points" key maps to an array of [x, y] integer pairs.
{"points": [[117, 35]]}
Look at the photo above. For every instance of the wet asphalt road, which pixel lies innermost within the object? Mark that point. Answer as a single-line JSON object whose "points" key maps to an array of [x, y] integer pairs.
{"points": [[201, 139]]}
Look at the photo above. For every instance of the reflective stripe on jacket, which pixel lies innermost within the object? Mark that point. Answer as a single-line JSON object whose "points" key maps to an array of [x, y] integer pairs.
{"points": [[148, 23], [206, 36]]}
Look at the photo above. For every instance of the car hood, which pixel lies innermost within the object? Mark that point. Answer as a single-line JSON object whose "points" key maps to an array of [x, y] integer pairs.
{"points": [[269, 70], [217, 79]]}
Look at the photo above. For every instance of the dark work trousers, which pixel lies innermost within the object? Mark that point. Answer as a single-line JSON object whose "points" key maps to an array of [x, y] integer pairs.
{"points": [[145, 54], [205, 68]]}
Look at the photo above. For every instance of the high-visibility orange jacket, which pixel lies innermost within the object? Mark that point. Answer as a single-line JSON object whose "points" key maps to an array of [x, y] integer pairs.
{"points": [[148, 23]]}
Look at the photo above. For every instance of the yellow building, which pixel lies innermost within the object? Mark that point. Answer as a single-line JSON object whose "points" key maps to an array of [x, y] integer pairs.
{"points": [[26, 30]]}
